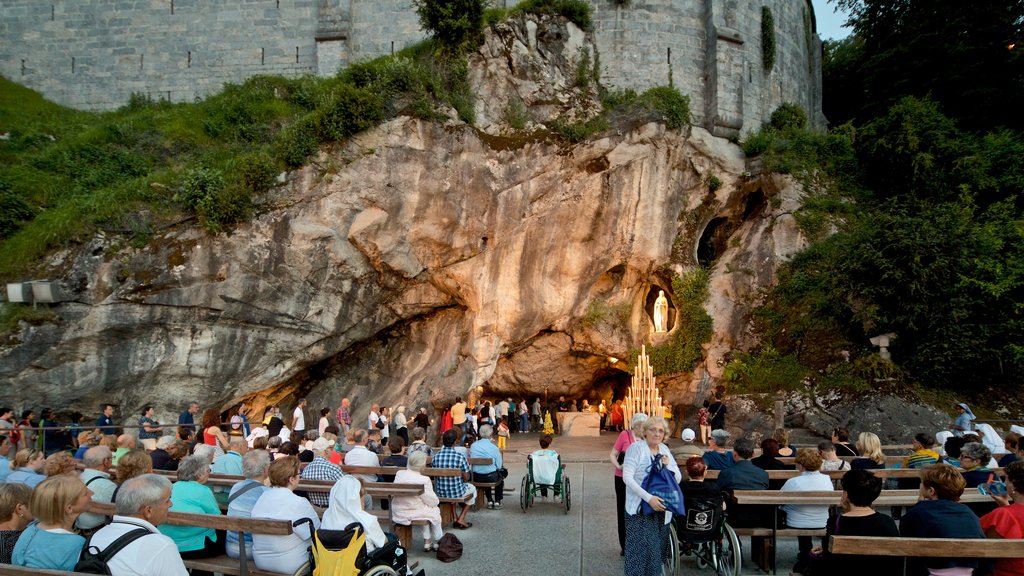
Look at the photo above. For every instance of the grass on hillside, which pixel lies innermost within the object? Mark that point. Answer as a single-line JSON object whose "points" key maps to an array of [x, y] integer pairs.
{"points": [[66, 174]]}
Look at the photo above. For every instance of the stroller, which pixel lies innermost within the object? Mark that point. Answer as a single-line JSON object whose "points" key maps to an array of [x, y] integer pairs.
{"points": [[343, 553], [544, 471]]}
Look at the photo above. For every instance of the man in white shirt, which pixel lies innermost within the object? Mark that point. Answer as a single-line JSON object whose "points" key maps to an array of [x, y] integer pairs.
{"points": [[142, 502], [298, 418], [502, 413], [371, 420], [97, 461], [360, 456]]}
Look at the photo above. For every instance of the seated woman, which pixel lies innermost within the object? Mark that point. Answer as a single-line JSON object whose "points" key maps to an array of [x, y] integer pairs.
{"points": [[870, 448], [767, 461], [786, 450], [15, 515], [808, 462], [1011, 442], [973, 459], [284, 554], [50, 542], [60, 463], [27, 468], [830, 461], [190, 494], [937, 514], [1007, 521], [858, 518], [697, 487], [405, 509]]}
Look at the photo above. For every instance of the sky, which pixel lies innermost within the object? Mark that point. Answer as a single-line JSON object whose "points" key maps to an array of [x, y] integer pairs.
{"points": [[829, 22]]}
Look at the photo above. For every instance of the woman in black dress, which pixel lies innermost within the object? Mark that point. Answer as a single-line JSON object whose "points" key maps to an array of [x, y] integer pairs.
{"points": [[858, 518]]}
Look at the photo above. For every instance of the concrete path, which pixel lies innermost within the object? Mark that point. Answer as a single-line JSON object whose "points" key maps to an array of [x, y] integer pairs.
{"points": [[545, 541]]}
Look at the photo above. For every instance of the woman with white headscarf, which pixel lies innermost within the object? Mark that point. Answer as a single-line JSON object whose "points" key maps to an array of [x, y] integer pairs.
{"points": [[964, 421], [346, 507]]}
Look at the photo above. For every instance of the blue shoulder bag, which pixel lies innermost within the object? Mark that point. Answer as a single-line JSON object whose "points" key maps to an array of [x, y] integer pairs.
{"points": [[661, 482]]}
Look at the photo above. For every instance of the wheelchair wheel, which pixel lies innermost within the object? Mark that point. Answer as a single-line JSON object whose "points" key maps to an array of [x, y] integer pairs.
{"points": [[670, 565], [729, 554], [524, 493], [379, 570], [566, 499]]}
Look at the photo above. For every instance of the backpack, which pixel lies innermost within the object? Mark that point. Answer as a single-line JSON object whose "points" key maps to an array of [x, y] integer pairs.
{"points": [[93, 561], [449, 548]]}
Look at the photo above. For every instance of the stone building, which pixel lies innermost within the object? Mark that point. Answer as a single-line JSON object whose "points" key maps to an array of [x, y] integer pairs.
{"points": [[94, 54]]}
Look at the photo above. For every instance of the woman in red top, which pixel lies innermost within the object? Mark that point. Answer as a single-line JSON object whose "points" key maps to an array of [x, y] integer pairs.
{"points": [[617, 416], [212, 434], [1007, 521]]}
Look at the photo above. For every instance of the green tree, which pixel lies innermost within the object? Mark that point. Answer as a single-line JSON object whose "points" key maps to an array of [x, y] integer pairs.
{"points": [[456, 24], [965, 55]]}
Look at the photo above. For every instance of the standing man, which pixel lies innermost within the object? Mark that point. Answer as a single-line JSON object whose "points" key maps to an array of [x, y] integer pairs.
{"points": [[459, 414], [502, 412], [373, 418], [299, 418], [343, 417], [186, 421], [106, 420]]}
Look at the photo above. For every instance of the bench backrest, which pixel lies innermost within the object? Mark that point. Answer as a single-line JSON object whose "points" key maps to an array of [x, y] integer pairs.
{"points": [[834, 474], [927, 547], [215, 521], [886, 498]]}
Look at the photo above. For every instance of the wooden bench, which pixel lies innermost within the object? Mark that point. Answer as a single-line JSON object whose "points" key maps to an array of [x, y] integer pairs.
{"points": [[223, 563], [926, 547], [833, 474], [778, 498]]}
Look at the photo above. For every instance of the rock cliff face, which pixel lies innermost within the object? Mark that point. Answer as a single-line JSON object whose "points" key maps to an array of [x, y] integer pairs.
{"points": [[418, 262]]}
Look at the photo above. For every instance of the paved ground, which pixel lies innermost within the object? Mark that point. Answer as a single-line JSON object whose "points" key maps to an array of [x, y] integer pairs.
{"points": [[545, 541]]}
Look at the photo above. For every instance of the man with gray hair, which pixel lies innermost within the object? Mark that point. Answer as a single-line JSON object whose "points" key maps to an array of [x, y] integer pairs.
{"points": [[718, 457], [97, 461], [231, 461], [243, 497], [162, 459], [485, 448], [142, 505], [320, 469]]}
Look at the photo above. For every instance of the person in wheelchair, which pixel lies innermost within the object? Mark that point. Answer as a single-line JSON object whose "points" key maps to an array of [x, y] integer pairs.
{"points": [[704, 501], [351, 539], [547, 467]]}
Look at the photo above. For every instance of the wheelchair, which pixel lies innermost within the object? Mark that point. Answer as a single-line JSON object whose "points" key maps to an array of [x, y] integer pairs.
{"points": [[559, 486], [705, 534], [343, 553]]}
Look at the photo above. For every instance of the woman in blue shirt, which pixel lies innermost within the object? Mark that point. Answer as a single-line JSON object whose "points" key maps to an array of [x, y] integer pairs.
{"points": [[190, 494], [49, 541], [27, 468]]}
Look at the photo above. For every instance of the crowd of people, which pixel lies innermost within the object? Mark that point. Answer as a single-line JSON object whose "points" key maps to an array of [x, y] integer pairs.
{"points": [[49, 476], [963, 461]]}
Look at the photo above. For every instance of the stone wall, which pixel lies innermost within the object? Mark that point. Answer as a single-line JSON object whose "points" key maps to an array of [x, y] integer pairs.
{"points": [[95, 53]]}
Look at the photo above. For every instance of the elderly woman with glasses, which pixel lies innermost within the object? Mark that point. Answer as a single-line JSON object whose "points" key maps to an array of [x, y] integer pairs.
{"points": [[647, 534], [622, 443]]}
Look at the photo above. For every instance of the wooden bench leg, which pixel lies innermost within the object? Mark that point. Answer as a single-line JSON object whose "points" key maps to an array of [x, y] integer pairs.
{"points": [[447, 513], [404, 533], [479, 503]]}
